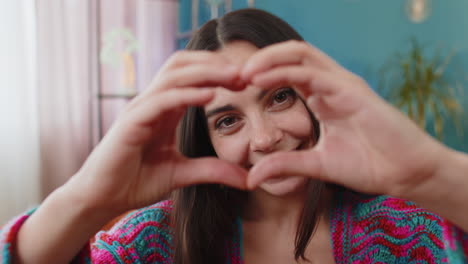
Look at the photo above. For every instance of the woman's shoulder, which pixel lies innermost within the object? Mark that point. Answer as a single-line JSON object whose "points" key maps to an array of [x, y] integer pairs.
{"points": [[151, 219], [158, 214], [391, 216], [365, 206], [140, 235]]}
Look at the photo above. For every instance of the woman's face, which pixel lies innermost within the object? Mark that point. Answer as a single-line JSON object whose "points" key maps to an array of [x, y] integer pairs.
{"points": [[248, 125]]}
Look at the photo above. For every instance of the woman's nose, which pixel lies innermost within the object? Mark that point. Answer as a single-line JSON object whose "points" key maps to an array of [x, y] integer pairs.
{"points": [[265, 136]]}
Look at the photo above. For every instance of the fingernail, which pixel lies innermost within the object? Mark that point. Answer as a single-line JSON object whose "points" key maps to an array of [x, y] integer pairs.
{"points": [[250, 186], [206, 92], [244, 74]]}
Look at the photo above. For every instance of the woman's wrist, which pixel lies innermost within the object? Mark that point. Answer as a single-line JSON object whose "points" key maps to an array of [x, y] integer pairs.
{"points": [[85, 204], [61, 216]]}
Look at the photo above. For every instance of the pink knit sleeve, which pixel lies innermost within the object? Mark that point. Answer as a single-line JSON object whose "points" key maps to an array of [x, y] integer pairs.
{"points": [[8, 235], [143, 236]]}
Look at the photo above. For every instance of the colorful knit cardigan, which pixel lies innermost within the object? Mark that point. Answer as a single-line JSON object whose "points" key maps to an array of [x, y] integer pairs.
{"points": [[364, 230]]}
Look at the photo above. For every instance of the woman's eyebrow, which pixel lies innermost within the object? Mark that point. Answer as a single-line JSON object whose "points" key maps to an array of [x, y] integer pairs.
{"points": [[230, 107], [219, 110]]}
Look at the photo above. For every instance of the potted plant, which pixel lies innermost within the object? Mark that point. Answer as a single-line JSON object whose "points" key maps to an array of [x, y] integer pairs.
{"points": [[420, 87]]}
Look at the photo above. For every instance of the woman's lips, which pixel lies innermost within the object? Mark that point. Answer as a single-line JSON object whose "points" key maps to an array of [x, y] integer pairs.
{"points": [[275, 180], [300, 147]]}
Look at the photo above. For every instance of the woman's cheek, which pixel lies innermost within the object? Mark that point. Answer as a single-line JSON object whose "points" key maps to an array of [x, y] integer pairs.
{"points": [[296, 122], [231, 148]]}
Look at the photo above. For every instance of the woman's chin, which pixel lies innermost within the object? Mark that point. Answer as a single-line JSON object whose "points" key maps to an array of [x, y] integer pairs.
{"points": [[283, 186]]}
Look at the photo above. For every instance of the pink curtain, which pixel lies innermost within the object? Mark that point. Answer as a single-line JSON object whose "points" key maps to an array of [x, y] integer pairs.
{"points": [[86, 48], [147, 35], [63, 82]]}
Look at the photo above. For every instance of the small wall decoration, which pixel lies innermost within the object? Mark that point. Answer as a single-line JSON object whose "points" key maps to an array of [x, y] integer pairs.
{"points": [[418, 10]]}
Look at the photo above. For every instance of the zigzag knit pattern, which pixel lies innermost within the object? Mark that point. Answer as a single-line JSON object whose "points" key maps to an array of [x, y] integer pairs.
{"points": [[364, 230], [383, 229], [141, 237], [144, 237]]}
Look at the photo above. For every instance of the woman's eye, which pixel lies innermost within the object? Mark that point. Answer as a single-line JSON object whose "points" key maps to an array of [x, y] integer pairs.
{"points": [[281, 97], [226, 122], [284, 97]]}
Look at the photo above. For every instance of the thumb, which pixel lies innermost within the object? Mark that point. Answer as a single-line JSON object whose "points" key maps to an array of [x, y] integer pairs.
{"points": [[297, 163], [209, 170]]}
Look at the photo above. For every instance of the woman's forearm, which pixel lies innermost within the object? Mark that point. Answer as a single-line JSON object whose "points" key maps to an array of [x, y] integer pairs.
{"points": [[58, 230], [446, 192]]}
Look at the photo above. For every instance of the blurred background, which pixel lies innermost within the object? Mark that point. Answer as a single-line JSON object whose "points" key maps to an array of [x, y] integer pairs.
{"points": [[68, 66]]}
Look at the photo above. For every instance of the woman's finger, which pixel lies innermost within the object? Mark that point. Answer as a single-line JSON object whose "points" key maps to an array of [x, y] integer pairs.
{"points": [[286, 53], [200, 75], [136, 126], [301, 77], [282, 164], [196, 75], [209, 170], [149, 110], [183, 58]]}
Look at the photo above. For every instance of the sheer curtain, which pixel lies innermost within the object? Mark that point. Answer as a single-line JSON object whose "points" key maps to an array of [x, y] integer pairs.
{"points": [[71, 38], [138, 36], [65, 31], [19, 133], [51, 75]]}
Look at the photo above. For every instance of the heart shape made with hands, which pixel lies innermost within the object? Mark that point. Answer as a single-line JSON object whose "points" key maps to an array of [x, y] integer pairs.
{"points": [[277, 65], [260, 67], [291, 63]]}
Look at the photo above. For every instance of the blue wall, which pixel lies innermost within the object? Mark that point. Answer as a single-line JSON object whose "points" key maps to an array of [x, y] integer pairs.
{"points": [[363, 34]]}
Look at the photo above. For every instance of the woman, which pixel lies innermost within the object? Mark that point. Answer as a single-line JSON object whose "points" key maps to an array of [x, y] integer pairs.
{"points": [[247, 92]]}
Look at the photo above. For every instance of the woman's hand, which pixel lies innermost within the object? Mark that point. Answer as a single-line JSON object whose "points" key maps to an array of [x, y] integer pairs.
{"points": [[365, 144], [137, 163]]}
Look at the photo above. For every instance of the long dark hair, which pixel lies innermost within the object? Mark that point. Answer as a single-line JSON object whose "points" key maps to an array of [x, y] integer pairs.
{"points": [[204, 217]]}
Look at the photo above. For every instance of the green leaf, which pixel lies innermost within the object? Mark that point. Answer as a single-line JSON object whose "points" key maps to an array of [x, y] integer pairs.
{"points": [[419, 86]]}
